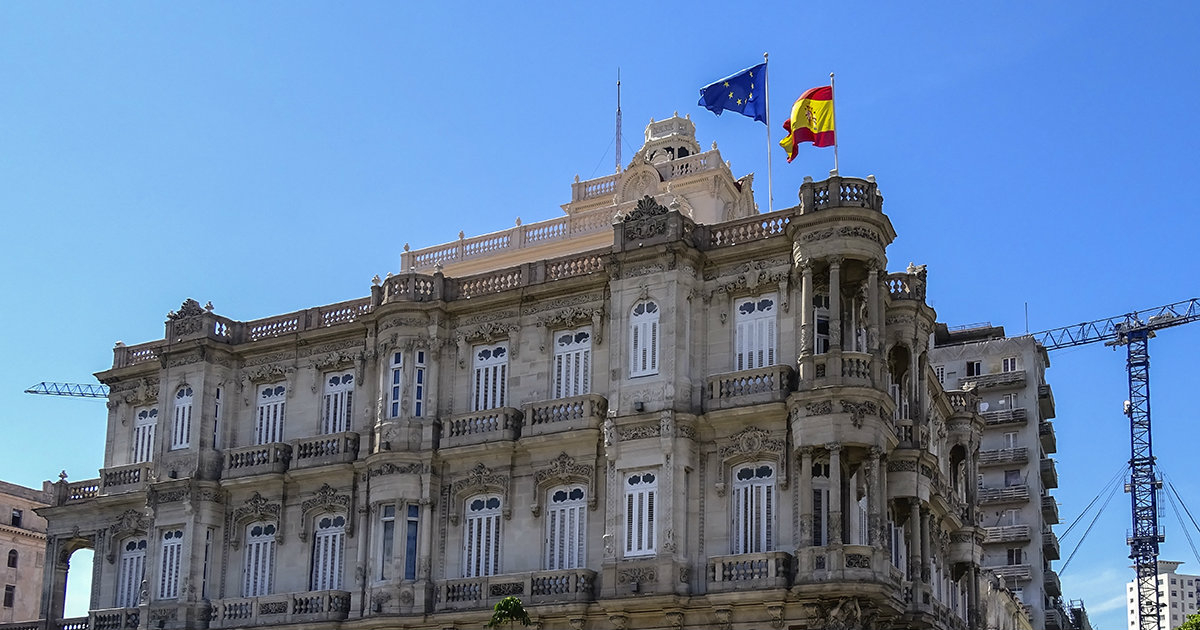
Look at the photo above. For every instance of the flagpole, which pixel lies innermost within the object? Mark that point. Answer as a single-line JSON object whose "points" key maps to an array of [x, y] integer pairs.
{"points": [[833, 110], [767, 105]]}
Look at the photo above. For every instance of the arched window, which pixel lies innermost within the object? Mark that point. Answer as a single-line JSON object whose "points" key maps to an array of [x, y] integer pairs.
{"points": [[755, 332], [490, 385], [481, 536], [258, 564], [12, 559], [329, 549], [643, 339], [144, 422], [566, 528], [170, 559], [269, 413], [572, 362], [131, 572], [754, 507], [181, 428], [641, 494], [337, 403]]}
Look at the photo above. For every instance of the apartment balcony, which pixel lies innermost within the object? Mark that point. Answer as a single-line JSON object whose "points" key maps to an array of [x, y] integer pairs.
{"points": [[1001, 380], [1047, 437], [1003, 456], [1045, 402], [1011, 494], [565, 414], [749, 387], [323, 450], [286, 608], [490, 425], [1056, 620], [129, 478], [750, 571], [1050, 544], [261, 459], [1053, 585], [541, 587], [1013, 572], [1049, 473], [1005, 416], [1006, 534], [1049, 510], [114, 619]]}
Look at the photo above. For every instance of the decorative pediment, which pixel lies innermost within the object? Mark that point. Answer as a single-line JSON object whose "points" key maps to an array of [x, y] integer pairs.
{"points": [[256, 508], [335, 360], [750, 444], [481, 479], [268, 374], [189, 308], [488, 332], [129, 523], [639, 182], [326, 499], [564, 470]]}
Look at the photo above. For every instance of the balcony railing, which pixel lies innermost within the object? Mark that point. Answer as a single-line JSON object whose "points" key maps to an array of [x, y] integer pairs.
{"points": [[747, 387], [1050, 509], [1002, 456], [1007, 533], [114, 619], [1005, 416], [577, 585], [1049, 473], [1016, 378], [501, 423], [1047, 437], [751, 571], [1052, 583], [257, 460], [1050, 544], [335, 448], [1045, 402], [1055, 620], [280, 609], [1011, 494], [128, 478], [565, 414], [1019, 572]]}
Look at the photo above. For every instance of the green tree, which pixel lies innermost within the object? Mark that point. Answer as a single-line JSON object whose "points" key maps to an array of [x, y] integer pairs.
{"points": [[509, 610], [1191, 623]]}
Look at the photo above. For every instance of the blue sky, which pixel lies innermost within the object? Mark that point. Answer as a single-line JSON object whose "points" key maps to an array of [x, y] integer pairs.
{"points": [[274, 156]]}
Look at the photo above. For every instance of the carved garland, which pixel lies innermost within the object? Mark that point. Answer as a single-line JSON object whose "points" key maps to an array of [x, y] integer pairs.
{"points": [[564, 470], [480, 479], [129, 523], [256, 508], [751, 444], [327, 500]]}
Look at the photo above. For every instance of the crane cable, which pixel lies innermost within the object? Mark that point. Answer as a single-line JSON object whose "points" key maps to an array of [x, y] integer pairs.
{"points": [[1176, 502], [1115, 478], [1066, 564]]}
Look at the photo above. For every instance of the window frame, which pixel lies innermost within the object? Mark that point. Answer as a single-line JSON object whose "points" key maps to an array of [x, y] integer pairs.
{"points": [[131, 561], [258, 555], [270, 413], [571, 367], [328, 557], [337, 401], [489, 376], [645, 337], [565, 528], [754, 508], [483, 535], [755, 331], [170, 562], [181, 417], [641, 516]]}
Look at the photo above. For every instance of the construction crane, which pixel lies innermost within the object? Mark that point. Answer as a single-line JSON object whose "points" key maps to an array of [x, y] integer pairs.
{"points": [[1134, 331], [76, 390]]}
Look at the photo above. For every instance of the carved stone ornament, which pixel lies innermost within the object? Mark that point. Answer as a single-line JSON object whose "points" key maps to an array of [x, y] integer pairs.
{"points": [[674, 619], [562, 470], [724, 617], [637, 574], [267, 374], [775, 612], [129, 523], [482, 479], [647, 219], [326, 500], [388, 468], [639, 432], [858, 411], [189, 308], [749, 444], [822, 408], [256, 508], [335, 360]]}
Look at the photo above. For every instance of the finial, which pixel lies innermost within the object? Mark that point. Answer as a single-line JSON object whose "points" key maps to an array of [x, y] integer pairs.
{"points": [[651, 119], [808, 179], [518, 221], [389, 275], [120, 344], [461, 235], [375, 281], [62, 476], [208, 306], [833, 172], [676, 114], [406, 247], [714, 145], [576, 178], [871, 178]]}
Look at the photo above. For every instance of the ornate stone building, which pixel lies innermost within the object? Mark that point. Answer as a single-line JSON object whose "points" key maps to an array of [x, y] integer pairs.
{"points": [[662, 410], [22, 545]]}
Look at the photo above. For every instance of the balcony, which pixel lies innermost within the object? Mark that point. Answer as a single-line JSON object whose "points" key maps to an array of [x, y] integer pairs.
{"points": [[481, 426], [1045, 402], [1056, 620], [1002, 456], [130, 478], [1046, 435], [1053, 585], [1011, 494], [114, 619], [1005, 534], [749, 387], [76, 491], [1050, 544], [1015, 378], [287, 608], [1005, 416], [1049, 473], [1049, 510], [335, 448], [257, 460], [751, 571], [542, 587], [1013, 572], [565, 414]]}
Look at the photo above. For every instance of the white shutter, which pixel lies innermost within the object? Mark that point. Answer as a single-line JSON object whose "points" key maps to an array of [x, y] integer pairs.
{"points": [[329, 547], [754, 508], [566, 529], [572, 363], [481, 537], [269, 414], [337, 403], [644, 339], [169, 562], [181, 427], [640, 496], [491, 377], [131, 573], [755, 332], [143, 434], [259, 560]]}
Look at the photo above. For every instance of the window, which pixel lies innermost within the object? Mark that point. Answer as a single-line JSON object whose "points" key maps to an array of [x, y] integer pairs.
{"points": [[338, 403], [259, 564], [170, 557], [641, 491], [1009, 364], [566, 528], [572, 362], [329, 548], [419, 385], [1010, 439], [754, 508], [1010, 517], [269, 413], [181, 428], [974, 368], [10, 594], [17, 517], [1008, 401], [143, 434], [216, 437], [410, 542], [899, 546], [131, 572], [490, 384], [821, 318], [481, 537], [1012, 478], [1015, 555], [12, 558], [820, 490], [643, 339], [396, 386], [387, 540], [940, 372], [755, 332]]}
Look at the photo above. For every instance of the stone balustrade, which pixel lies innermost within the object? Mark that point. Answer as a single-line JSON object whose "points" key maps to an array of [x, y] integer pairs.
{"points": [[283, 608], [540, 587], [840, 192], [114, 619], [747, 387], [322, 450], [906, 286], [1011, 494], [856, 368], [1005, 416], [128, 478], [750, 571], [80, 491], [25, 625], [749, 229], [1000, 456], [490, 425], [564, 414], [260, 459], [75, 623], [1008, 533]]}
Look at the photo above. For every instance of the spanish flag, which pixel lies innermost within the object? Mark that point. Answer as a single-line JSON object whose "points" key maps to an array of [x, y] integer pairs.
{"points": [[811, 121]]}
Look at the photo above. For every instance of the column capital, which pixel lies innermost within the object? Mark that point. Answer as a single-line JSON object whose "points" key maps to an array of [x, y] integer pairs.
{"points": [[833, 447], [876, 452], [874, 265], [836, 261]]}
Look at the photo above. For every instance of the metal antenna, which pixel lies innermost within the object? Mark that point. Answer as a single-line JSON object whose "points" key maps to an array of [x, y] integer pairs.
{"points": [[618, 119]]}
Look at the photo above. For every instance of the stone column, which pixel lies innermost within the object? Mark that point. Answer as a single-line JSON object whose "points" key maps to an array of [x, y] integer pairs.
{"points": [[914, 539], [926, 549], [874, 332], [835, 493], [835, 304], [875, 515], [914, 390], [806, 319], [804, 485]]}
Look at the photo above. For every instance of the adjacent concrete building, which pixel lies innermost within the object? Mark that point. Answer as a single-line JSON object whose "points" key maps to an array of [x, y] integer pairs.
{"points": [[22, 550], [1178, 593], [662, 410]]}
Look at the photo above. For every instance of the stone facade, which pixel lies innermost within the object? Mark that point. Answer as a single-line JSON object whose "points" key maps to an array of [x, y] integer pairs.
{"points": [[697, 415], [22, 550]]}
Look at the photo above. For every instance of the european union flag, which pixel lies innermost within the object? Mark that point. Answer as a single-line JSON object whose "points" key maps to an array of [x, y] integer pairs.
{"points": [[744, 93]]}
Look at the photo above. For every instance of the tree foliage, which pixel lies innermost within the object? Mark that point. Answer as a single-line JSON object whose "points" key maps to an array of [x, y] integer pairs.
{"points": [[509, 610], [1191, 623]]}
